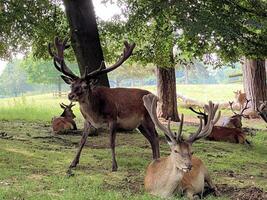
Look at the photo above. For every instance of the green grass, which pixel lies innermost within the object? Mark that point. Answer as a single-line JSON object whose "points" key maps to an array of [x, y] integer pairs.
{"points": [[35, 168], [44, 107]]}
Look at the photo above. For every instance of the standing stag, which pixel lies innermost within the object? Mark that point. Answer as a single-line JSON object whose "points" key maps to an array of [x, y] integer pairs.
{"points": [[262, 111], [235, 121], [65, 121], [221, 133], [180, 170], [116, 108]]}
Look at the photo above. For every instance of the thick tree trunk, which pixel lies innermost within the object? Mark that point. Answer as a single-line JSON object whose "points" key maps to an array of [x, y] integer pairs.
{"points": [[254, 80], [84, 36], [166, 89]]}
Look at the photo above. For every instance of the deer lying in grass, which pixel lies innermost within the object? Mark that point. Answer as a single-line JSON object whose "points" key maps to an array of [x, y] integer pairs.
{"points": [[226, 134], [116, 108], [262, 111], [65, 121], [235, 121], [180, 171], [240, 98]]}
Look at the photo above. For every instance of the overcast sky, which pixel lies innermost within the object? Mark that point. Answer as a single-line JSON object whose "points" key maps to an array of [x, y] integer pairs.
{"points": [[104, 12]]}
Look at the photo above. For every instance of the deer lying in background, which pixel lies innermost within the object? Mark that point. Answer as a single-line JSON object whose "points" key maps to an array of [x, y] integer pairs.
{"points": [[226, 134], [240, 98], [235, 121], [180, 171], [65, 121], [116, 108], [262, 111]]}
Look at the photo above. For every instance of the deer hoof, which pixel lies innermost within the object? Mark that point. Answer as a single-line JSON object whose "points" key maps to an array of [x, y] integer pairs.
{"points": [[69, 173], [114, 168]]}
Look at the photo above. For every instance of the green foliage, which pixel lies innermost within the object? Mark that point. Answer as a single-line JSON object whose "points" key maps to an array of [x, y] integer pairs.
{"points": [[231, 29], [30, 24], [13, 80], [43, 71]]}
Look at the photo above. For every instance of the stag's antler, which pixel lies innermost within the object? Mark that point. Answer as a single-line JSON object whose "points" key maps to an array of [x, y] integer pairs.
{"points": [[150, 102], [127, 52], [62, 67], [246, 106], [211, 110], [241, 112], [202, 114], [65, 106], [58, 57], [231, 106], [262, 111]]}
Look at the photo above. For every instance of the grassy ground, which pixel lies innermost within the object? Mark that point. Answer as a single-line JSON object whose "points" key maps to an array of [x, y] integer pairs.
{"points": [[33, 164], [44, 107]]}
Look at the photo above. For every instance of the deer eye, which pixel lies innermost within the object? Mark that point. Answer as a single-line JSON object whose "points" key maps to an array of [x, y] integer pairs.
{"points": [[175, 151], [192, 152]]}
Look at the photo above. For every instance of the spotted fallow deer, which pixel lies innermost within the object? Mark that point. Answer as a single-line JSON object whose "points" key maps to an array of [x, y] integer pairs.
{"points": [[235, 121], [116, 108], [262, 111], [180, 171], [65, 121]]}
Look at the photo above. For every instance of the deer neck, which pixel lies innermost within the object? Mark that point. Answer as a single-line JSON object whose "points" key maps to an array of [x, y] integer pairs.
{"points": [[90, 109], [170, 177]]}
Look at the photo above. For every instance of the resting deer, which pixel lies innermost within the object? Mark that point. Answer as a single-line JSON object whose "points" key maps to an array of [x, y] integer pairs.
{"points": [[180, 171], [65, 121], [235, 121], [240, 98], [226, 134], [262, 111], [116, 108]]}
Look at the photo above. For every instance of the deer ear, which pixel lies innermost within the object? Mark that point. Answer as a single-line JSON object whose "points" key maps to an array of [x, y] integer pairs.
{"points": [[67, 79]]}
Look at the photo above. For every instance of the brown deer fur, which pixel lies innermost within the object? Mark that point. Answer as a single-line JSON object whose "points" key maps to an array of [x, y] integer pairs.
{"points": [[65, 121], [226, 134], [240, 98], [180, 171], [232, 135], [262, 110], [119, 108]]}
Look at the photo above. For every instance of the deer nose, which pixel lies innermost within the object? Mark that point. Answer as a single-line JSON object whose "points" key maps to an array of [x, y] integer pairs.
{"points": [[189, 166]]}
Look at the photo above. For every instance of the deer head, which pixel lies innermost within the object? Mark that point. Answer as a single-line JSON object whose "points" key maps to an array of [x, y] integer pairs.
{"points": [[262, 111], [236, 119], [181, 149], [68, 113], [81, 85]]}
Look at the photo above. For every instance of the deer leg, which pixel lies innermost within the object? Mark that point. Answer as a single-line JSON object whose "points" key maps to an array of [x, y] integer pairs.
{"points": [[112, 131], [149, 131], [78, 154], [211, 185]]}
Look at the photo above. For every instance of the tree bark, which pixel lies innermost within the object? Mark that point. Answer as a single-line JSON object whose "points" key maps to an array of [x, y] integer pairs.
{"points": [[166, 89], [84, 36], [254, 81]]}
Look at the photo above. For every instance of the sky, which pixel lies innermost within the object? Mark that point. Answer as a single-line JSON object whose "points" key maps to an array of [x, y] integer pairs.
{"points": [[104, 12]]}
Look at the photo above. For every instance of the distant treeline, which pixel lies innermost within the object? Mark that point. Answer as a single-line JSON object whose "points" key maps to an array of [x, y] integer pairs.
{"points": [[20, 77]]}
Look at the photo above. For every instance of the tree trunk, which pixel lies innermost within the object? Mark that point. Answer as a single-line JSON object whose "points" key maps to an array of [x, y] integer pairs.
{"points": [[254, 80], [84, 36], [166, 89]]}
